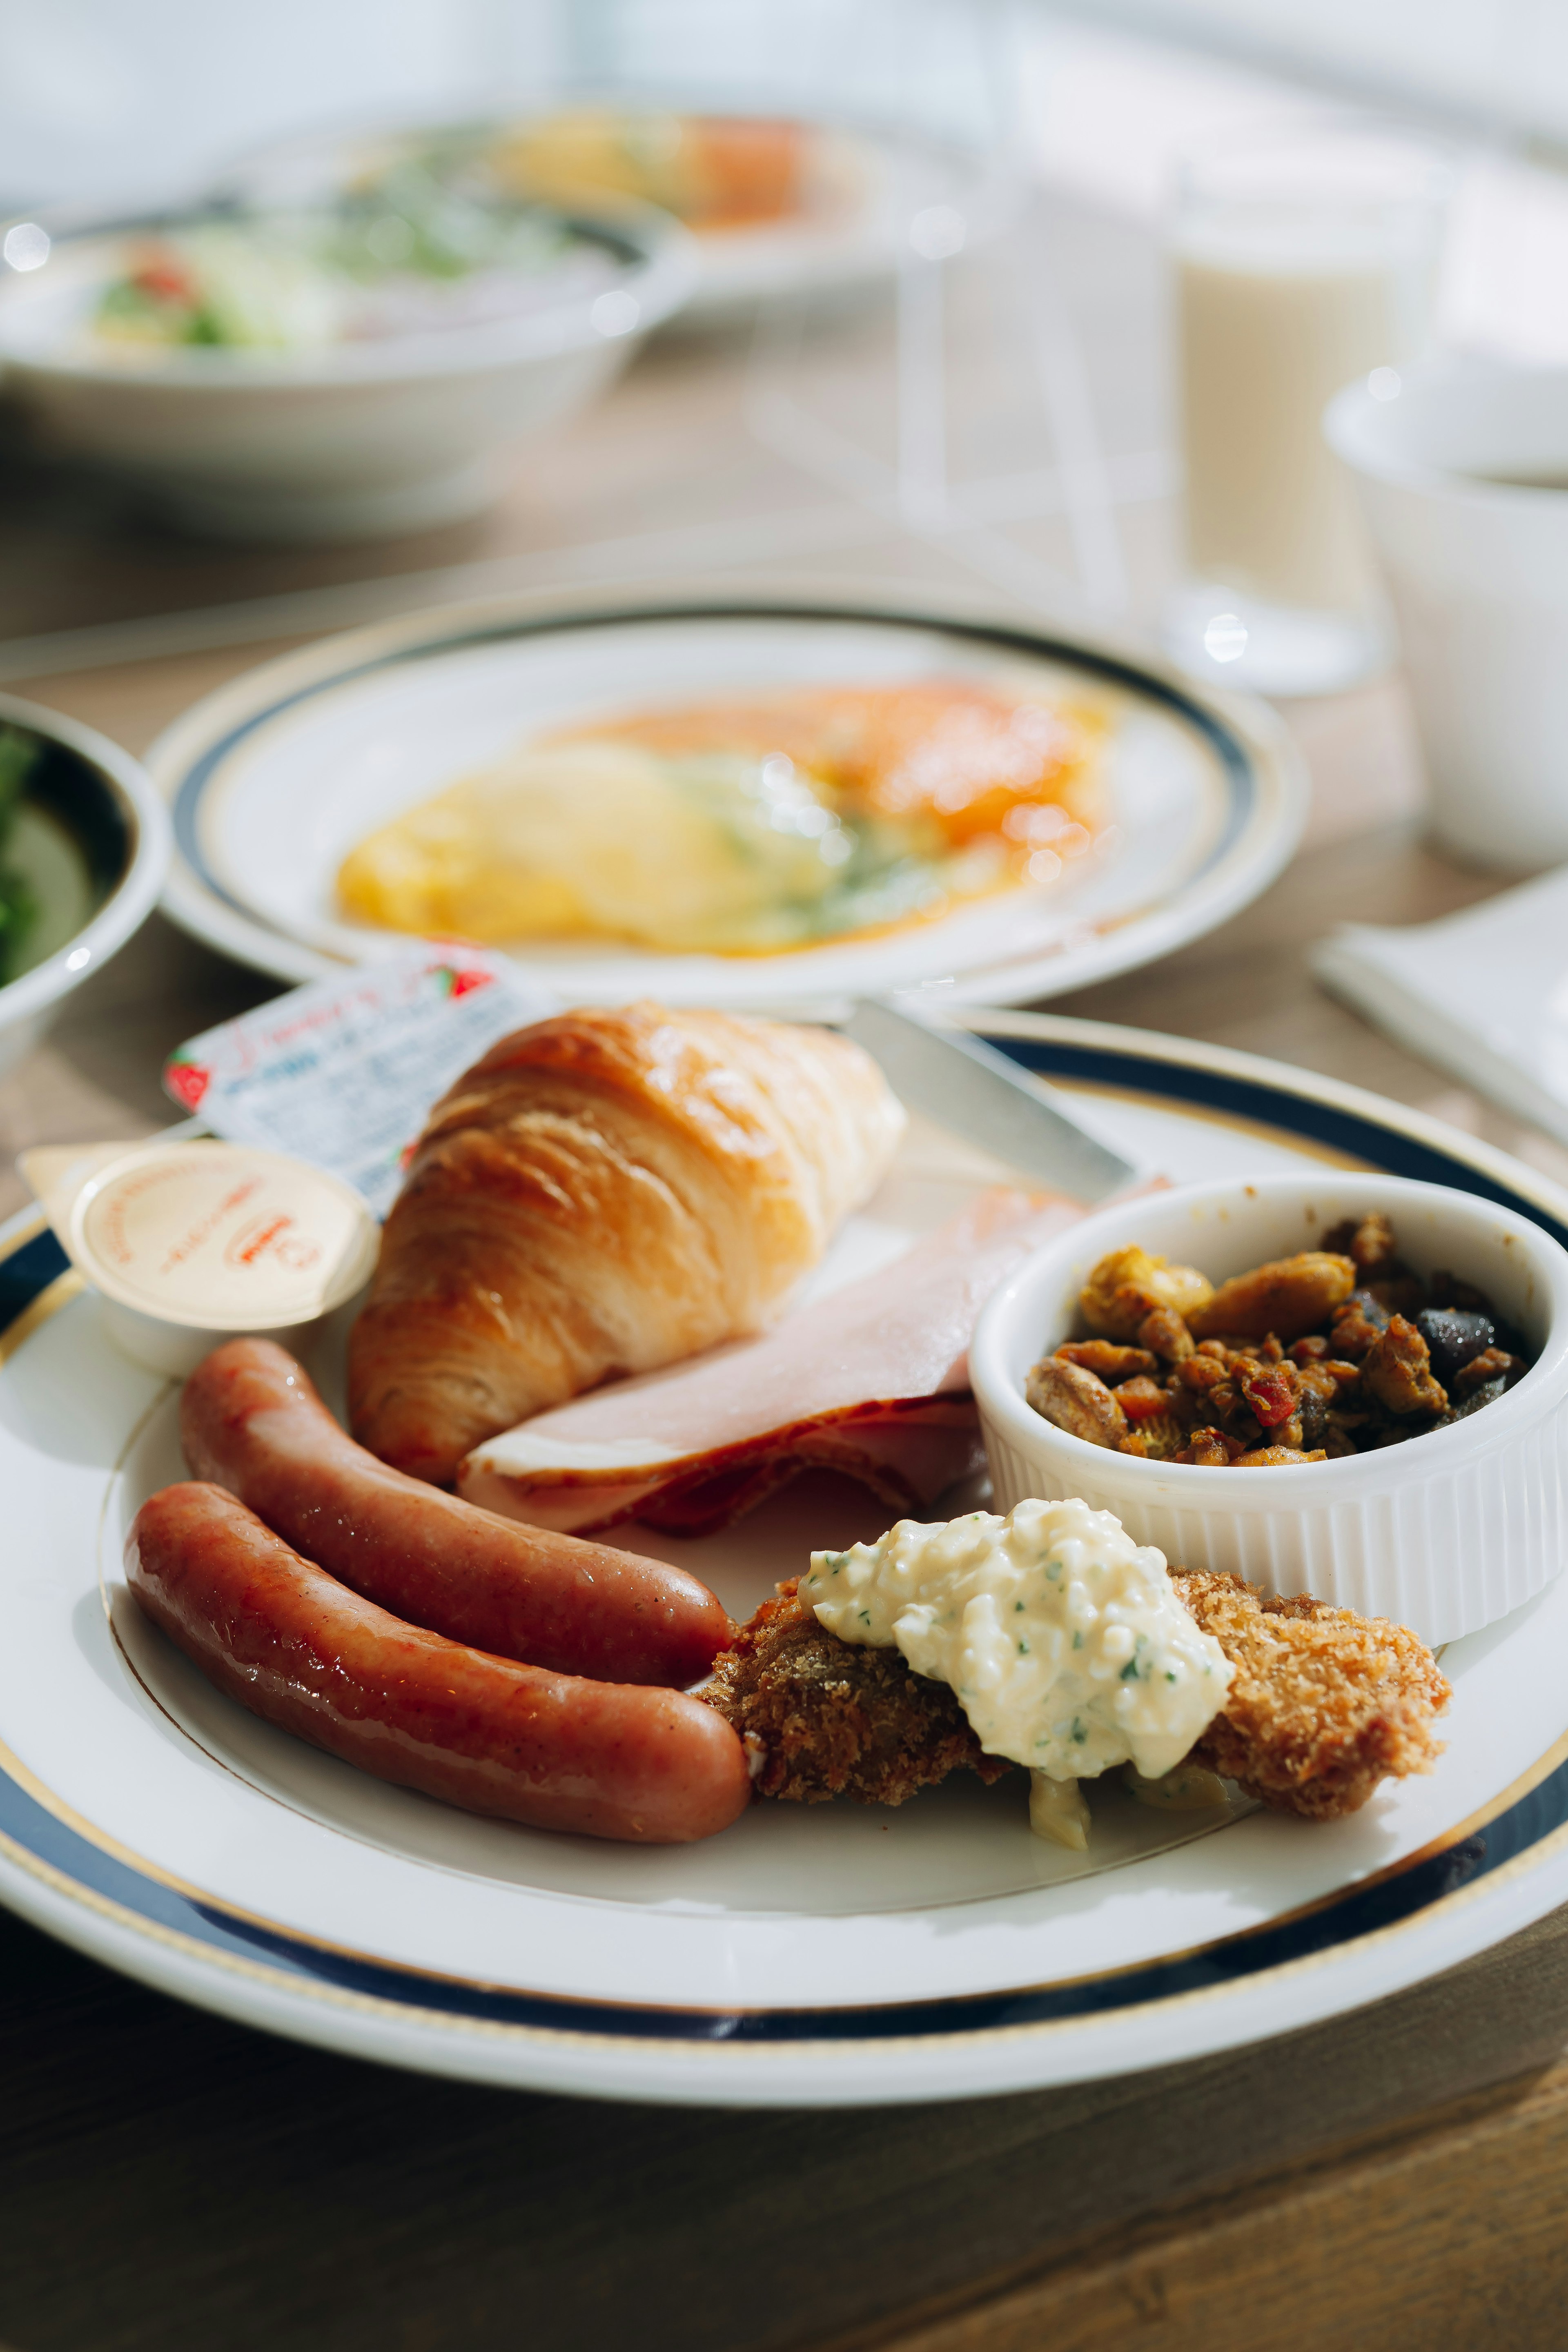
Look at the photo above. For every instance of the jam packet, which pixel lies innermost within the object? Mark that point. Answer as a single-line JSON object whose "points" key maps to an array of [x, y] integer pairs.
{"points": [[343, 1072]]}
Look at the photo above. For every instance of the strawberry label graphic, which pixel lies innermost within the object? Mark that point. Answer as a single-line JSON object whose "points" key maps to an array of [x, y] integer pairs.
{"points": [[187, 1082], [458, 981], [343, 1072]]}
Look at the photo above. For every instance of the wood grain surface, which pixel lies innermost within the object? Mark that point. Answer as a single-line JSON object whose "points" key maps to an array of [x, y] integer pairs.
{"points": [[1442, 2232], [172, 2183]]}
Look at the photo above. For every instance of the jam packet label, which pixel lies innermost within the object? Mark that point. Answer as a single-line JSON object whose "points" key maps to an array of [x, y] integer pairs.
{"points": [[343, 1072]]}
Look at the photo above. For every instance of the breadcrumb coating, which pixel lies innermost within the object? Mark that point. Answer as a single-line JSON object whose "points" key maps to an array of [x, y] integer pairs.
{"points": [[1324, 1705], [821, 1718]]}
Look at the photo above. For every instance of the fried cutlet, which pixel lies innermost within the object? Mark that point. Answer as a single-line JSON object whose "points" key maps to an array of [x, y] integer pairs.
{"points": [[822, 1718], [1324, 1705]]}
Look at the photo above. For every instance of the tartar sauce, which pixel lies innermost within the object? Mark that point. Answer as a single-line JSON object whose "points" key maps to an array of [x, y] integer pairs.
{"points": [[1063, 1638]]}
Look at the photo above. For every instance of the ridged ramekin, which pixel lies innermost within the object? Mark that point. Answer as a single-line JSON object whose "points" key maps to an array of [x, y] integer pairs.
{"points": [[1444, 1533]]}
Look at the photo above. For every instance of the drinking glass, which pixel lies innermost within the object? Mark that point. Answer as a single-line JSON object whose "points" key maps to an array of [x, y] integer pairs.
{"points": [[1304, 257]]}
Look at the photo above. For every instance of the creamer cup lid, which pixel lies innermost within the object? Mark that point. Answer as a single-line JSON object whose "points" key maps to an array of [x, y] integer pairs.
{"points": [[220, 1236]]}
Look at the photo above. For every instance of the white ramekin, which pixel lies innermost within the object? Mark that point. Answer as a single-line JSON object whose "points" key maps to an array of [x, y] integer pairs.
{"points": [[1443, 1533], [363, 439]]}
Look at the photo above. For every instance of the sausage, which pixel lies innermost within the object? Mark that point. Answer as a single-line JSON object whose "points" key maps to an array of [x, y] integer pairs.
{"points": [[250, 1421], [295, 1647]]}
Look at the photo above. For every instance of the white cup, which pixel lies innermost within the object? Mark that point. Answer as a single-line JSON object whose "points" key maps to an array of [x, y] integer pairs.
{"points": [[1461, 468]]}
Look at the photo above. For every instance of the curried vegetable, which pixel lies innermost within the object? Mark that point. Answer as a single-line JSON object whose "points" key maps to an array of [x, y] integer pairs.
{"points": [[1077, 1400], [1130, 1286], [1336, 1351], [1291, 1298]]}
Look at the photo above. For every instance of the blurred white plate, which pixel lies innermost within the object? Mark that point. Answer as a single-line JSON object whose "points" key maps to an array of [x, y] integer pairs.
{"points": [[814, 1954], [274, 778], [859, 189], [864, 191]]}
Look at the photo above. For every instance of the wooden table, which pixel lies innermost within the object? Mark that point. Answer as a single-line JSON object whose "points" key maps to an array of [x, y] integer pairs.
{"points": [[172, 2183]]}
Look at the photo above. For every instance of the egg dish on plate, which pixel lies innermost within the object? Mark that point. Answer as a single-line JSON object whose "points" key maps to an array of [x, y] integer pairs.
{"points": [[745, 827], [712, 172]]}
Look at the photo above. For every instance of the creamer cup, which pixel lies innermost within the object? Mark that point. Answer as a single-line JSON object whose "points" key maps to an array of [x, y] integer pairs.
{"points": [[190, 1244]]}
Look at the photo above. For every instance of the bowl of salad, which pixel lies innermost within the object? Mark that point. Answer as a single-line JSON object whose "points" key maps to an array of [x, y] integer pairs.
{"points": [[84, 846], [362, 356]]}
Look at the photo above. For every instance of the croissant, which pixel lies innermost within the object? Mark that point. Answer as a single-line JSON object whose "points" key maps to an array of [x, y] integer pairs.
{"points": [[604, 1192]]}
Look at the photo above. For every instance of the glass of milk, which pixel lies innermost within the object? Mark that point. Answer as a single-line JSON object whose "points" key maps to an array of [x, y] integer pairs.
{"points": [[1304, 257]]}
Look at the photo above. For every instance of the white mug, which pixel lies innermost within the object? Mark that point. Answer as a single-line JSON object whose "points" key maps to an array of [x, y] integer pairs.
{"points": [[1461, 467]]}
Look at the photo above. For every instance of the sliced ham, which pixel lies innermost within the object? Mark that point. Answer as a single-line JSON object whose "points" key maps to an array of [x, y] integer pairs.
{"points": [[872, 1380]]}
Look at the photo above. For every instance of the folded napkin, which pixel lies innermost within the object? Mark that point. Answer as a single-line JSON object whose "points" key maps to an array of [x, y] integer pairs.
{"points": [[1484, 994]]}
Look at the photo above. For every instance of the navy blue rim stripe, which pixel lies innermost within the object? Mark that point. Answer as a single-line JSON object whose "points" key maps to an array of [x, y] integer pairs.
{"points": [[27, 1273], [1316, 1120], [1399, 1895], [1360, 1912], [1240, 778]]}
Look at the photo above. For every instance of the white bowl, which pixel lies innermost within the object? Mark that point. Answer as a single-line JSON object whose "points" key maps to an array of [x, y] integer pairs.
{"points": [[1461, 470], [99, 796], [1444, 1533], [356, 441]]}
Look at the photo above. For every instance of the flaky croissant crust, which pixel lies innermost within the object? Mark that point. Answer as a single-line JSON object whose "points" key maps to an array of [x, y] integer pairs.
{"points": [[604, 1192]]}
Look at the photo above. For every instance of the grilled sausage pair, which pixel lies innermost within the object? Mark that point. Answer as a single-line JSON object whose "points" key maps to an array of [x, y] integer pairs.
{"points": [[506, 1669]]}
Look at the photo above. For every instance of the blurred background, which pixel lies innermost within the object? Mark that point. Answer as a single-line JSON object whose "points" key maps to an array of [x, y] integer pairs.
{"points": [[99, 97], [1006, 407], [995, 302]]}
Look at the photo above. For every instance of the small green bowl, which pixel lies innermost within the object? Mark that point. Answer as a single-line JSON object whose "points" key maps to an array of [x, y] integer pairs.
{"points": [[89, 843]]}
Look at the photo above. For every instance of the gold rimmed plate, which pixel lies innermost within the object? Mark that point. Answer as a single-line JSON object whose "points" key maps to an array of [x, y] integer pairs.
{"points": [[275, 778], [821, 1955]]}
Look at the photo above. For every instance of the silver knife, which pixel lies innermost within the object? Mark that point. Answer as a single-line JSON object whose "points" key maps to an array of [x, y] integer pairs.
{"points": [[969, 1087]]}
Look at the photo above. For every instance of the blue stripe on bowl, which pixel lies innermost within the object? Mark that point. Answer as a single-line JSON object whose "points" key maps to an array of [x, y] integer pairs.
{"points": [[1300, 1113], [1360, 1911], [25, 1273], [1340, 1920]]}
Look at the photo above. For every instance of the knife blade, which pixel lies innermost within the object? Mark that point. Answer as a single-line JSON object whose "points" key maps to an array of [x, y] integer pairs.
{"points": [[967, 1086]]}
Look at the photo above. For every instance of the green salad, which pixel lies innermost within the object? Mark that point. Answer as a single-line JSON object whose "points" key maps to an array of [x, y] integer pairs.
{"points": [[18, 905], [429, 240]]}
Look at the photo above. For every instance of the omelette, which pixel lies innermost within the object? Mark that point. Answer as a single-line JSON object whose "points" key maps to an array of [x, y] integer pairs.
{"points": [[743, 828]]}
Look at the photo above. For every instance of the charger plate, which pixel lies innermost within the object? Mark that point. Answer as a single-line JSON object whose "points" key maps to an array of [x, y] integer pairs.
{"points": [[274, 778], [809, 1956]]}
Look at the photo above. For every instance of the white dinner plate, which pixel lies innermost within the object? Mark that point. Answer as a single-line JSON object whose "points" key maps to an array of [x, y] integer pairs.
{"points": [[860, 185], [275, 777], [810, 1955], [847, 236], [853, 229]]}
